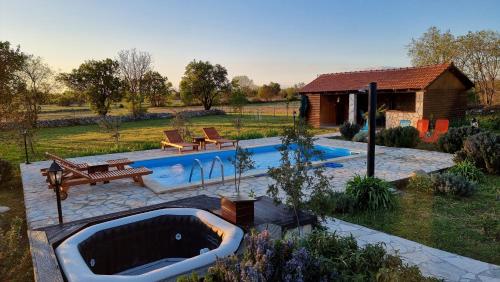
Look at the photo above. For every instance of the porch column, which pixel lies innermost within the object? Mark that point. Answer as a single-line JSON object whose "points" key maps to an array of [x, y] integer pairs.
{"points": [[353, 107]]}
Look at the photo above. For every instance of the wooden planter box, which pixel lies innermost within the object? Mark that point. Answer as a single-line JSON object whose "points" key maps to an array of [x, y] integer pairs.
{"points": [[237, 209]]}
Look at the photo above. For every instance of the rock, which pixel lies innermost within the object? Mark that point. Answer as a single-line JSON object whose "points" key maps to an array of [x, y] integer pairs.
{"points": [[418, 172], [4, 209]]}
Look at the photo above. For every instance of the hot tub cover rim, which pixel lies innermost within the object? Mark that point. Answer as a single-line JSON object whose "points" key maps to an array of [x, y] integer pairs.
{"points": [[75, 268]]}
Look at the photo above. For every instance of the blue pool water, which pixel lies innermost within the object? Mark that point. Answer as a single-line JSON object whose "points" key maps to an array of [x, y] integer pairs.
{"points": [[174, 171]]}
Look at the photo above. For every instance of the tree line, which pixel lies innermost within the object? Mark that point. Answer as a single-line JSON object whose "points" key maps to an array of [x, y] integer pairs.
{"points": [[27, 82]]}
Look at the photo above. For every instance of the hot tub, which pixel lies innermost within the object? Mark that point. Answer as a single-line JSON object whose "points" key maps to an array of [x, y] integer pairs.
{"points": [[151, 246]]}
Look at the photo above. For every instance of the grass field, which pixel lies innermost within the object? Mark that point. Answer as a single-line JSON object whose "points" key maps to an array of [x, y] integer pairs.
{"points": [[444, 222], [277, 108]]}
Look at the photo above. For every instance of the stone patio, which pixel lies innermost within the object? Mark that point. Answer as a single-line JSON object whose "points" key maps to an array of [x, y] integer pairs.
{"points": [[391, 164]]}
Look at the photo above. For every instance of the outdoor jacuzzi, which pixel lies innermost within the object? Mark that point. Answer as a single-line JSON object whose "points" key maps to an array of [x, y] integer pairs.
{"points": [[151, 246]]}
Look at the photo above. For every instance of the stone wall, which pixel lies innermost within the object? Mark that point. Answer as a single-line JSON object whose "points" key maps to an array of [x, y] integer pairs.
{"points": [[95, 119], [393, 117]]}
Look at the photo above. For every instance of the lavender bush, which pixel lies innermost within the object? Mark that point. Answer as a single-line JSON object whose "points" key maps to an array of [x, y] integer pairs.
{"points": [[319, 256]]}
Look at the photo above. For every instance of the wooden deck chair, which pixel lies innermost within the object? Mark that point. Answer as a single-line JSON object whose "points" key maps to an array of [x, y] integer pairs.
{"points": [[117, 163], [173, 139], [422, 127], [212, 136], [75, 177], [440, 129]]}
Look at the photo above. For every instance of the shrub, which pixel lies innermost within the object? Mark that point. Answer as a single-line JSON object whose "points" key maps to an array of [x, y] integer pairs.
{"points": [[361, 136], [319, 256], [452, 141], [421, 182], [272, 133], [406, 137], [15, 257], [491, 226], [370, 193], [483, 149], [448, 183], [250, 135], [348, 130], [490, 122], [6, 173], [331, 201], [342, 202], [468, 170]]}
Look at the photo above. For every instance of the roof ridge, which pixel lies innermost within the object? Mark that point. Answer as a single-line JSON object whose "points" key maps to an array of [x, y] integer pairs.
{"points": [[388, 69]]}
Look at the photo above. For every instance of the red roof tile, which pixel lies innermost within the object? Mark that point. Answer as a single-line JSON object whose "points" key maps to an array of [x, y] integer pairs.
{"points": [[387, 79]]}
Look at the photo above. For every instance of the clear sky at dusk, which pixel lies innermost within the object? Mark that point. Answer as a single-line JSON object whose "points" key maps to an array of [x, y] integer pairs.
{"points": [[282, 41]]}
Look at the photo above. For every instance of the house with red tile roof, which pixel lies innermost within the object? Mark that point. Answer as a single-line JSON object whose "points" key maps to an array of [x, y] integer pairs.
{"points": [[407, 94]]}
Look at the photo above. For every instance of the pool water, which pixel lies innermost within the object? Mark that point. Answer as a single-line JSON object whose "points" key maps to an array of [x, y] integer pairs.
{"points": [[174, 171]]}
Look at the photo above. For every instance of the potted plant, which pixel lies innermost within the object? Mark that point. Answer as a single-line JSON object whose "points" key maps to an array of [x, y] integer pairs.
{"points": [[236, 207]]}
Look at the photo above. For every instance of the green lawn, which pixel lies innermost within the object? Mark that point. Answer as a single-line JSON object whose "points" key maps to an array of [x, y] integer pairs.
{"points": [[444, 222], [90, 140]]}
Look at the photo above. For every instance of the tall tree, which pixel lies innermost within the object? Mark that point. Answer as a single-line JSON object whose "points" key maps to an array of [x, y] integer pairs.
{"points": [[12, 85], [479, 57], [476, 53], [156, 88], [37, 75], [99, 80], [204, 82], [133, 67], [433, 47]]}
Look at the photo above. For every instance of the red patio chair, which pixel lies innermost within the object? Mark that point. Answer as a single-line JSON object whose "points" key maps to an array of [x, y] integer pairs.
{"points": [[440, 129], [422, 127]]}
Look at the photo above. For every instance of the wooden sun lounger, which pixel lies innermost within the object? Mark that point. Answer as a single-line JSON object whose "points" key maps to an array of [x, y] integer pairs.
{"points": [[74, 177], [212, 136], [117, 163], [173, 139]]}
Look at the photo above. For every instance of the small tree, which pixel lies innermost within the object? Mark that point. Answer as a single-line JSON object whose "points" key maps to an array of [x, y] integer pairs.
{"points": [[296, 177], [112, 126], [242, 162], [182, 124], [267, 92], [99, 81], [203, 82], [156, 88], [38, 77], [134, 65], [238, 100], [238, 124]]}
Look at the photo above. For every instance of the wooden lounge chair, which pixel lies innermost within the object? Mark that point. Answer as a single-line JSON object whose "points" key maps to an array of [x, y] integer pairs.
{"points": [[440, 129], [212, 136], [117, 163], [73, 177], [422, 127], [173, 139]]}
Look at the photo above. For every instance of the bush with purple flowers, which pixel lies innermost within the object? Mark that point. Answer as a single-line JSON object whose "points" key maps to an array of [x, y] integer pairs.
{"points": [[319, 256]]}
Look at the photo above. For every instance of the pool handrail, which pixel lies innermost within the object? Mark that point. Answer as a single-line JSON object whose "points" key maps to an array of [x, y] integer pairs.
{"points": [[197, 161], [221, 168]]}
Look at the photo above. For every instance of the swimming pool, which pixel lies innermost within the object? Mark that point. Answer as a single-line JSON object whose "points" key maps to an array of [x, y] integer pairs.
{"points": [[174, 171]]}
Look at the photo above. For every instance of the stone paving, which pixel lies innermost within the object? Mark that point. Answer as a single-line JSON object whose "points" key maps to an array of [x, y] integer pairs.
{"points": [[431, 261], [391, 164]]}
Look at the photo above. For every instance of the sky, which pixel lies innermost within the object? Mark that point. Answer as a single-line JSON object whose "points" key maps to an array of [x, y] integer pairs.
{"points": [[269, 40]]}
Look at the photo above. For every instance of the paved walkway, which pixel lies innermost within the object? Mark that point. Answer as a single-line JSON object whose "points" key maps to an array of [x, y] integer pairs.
{"points": [[88, 201], [431, 261]]}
